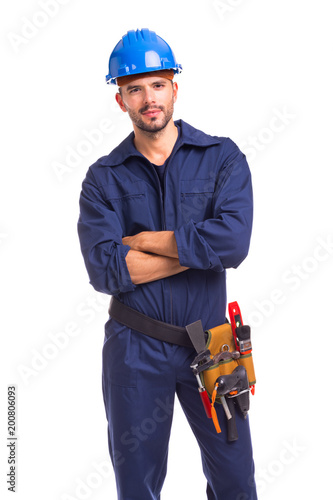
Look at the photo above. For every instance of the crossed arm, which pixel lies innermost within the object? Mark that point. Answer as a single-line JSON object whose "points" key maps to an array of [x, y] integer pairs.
{"points": [[153, 255]]}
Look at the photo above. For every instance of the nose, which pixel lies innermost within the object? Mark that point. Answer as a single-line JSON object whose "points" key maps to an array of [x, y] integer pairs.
{"points": [[149, 95]]}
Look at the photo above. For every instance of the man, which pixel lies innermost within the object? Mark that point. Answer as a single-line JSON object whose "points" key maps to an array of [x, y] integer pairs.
{"points": [[161, 219]]}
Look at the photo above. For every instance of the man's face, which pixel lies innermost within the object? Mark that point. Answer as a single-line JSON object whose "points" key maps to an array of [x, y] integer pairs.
{"points": [[149, 102]]}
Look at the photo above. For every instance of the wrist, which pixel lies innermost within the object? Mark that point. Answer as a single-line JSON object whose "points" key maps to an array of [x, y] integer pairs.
{"points": [[161, 243]]}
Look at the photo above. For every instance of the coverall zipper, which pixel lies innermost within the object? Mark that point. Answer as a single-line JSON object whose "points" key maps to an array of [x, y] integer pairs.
{"points": [[175, 149]]}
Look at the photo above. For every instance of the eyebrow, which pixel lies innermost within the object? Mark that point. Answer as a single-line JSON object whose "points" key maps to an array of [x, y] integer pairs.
{"points": [[130, 87]]}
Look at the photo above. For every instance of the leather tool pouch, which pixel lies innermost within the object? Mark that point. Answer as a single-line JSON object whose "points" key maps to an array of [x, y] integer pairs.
{"points": [[221, 339]]}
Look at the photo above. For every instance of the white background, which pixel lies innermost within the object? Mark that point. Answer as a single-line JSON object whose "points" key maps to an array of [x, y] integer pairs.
{"points": [[245, 63]]}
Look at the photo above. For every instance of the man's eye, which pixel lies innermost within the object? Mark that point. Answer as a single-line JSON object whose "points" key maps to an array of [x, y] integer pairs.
{"points": [[133, 91]]}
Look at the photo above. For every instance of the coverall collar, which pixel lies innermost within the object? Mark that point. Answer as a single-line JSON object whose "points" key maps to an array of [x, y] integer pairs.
{"points": [[188, 135]]}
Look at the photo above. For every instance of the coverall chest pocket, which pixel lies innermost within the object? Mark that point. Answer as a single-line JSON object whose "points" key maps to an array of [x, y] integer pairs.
{"points": [[130, 202], [196, 199]]}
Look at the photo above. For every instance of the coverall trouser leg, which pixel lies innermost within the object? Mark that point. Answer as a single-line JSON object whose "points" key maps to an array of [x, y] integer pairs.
{"points": [[141, 376]]}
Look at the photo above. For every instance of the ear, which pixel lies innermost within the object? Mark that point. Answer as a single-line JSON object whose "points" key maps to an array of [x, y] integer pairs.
{"points": [[120, 101], [175, 91]]}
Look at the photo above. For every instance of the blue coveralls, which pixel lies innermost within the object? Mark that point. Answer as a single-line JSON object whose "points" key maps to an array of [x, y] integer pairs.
{"points": [[206, 199]]}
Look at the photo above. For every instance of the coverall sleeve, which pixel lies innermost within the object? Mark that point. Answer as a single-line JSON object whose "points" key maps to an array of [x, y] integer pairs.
{"points": [[100, 235], [222, 241]]}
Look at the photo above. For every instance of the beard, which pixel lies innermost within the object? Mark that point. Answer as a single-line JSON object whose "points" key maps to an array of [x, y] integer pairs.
{"points": [[154, 125]]}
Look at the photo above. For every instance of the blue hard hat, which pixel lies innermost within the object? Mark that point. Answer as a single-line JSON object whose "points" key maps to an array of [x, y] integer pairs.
{"points": [[140, 51]]}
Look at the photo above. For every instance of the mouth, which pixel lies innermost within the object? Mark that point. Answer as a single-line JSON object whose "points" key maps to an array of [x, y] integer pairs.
{"points": [[152, 113]]}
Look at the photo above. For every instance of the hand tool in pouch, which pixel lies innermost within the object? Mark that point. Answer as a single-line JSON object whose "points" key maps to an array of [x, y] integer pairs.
{"points": [[201, 362], [242, 337]]}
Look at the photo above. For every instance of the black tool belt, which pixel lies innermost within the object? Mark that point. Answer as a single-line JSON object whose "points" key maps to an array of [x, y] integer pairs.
{"points": [[152, 327]]}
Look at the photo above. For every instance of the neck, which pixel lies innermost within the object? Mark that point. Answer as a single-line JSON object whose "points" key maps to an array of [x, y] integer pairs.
{"points": [[156, 146]]}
